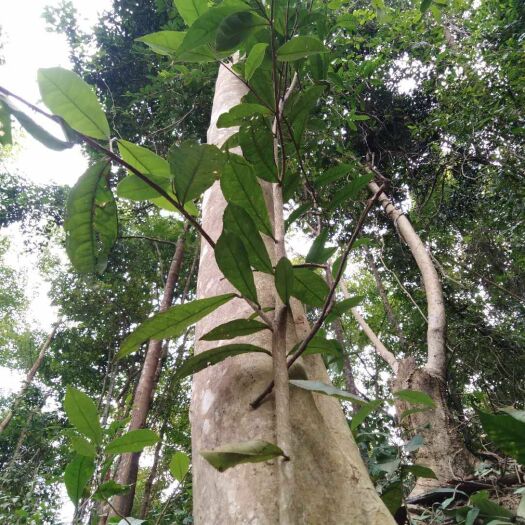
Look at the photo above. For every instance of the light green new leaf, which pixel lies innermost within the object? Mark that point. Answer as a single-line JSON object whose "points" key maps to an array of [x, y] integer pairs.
{"points": [[254, 60], [415, 397], [77, 475], [82, 414], [69, 97], [109, 489], [309, 287], [211, 357], [237, 114], [300, 47], [190, 10], [236, 28], [172, 322], [194, 168], [132, 441], [91, 220], [237, 221], [163, 42], [82, 446], [239, 186], [235, 328], [232, 260], [179, 465], [232, 454], [364, 412], [328, 390], [343, 306], [284, 279]]}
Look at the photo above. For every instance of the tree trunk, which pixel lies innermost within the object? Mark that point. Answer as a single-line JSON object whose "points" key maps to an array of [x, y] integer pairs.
{"points": [[129, 463], [331, 484], [443, 449]]}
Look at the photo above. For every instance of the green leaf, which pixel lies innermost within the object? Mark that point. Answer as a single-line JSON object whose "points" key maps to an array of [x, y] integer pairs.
{"points": [[240, 186], [232, 260], [69, 97], [393, 497], [235, 29], [238, 222], [472, 514], [254, 60], [163, 42], [332, 174], [309, 287], [211, 357], [321, 345], [232, 454], [389, 466], [237, 114], [300, 47], [82, 446], [172, 322], [411, 411], [318, 254], [415, 397], [506, 432], [487, 507], [82, 414], [36, 131], [144, 160], [420, 471], [415, 443], [132, 441], [179, 465], [425, 5], [329, 390], [350, 191], [190, 10], [284, 279], [515, 413], [77, 475], [364, 412], [299, 109], [256, 141], [298, 212], [343, 306], [236, 328], [109, 489], [130, 521], [194, 167], [91, 220], [135, 189]]}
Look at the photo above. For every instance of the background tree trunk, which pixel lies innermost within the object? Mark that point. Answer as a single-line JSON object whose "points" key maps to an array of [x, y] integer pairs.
{"points": [[331, 481]]}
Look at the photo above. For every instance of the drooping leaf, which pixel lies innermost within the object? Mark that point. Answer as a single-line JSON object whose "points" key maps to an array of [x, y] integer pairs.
{"points": [[82, 414], [341, 307], [329, 390], [108, 489], [415, 397], [69, 97], [77, 475], [318, 254], [82, 446], [179, 465], [506, 432], [254, 60], [227, 456], [364, 412], [144, 160], [300, 47], [236, 28], [91, 220], [232, 260], [207, 358], [194, 167], [239, 186], [393, 497], [284, 279], [190, 10], [172, 322], [132, 441], [237, 114], [236, 328], [163, 42], [420, 471], [309, 287], [350, 191], [238, 222]]}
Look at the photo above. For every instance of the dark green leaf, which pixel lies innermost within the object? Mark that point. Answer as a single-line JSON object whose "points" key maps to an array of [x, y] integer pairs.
{"points": [[82, 414], [109, 489], [343, 306], [163, 42], [232, 329], [419, 471], [318, 254], [69, 97], [227, 456], [350, 191], [298, 212], [179, 465], [300, 47], [132, 441], [323, 388], [425, 5], [489, 508], [300, 107], [194, 167], [240, 186], [364, 412], [190, 10], [211, 357], [239, 113], [172, 322], [235, 29], [415, 397], [321, 345], [5, 125], [506, 432], [238, 222], [232, 260], [77, 475], [332, 174], [309, 287], [393, 497], [284, 279], [254, 60]]}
